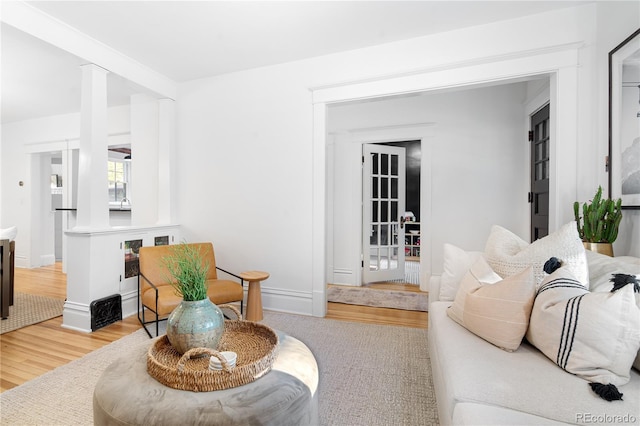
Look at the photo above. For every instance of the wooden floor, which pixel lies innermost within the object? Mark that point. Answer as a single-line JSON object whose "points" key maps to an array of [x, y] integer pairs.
{"points": [[370, 315], [28, 352]]}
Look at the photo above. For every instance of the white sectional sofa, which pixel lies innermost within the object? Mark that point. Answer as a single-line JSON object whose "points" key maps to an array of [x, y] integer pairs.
{"points": [[477, 383]]}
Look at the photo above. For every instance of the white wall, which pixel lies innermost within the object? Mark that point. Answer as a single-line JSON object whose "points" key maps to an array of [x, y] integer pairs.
{"points": [[478, 151], [246, 159], [244, 172]]}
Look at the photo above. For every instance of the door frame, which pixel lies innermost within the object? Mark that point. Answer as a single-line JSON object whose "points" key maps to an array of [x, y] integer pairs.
{"points": [[423, 132], [560, 63]]}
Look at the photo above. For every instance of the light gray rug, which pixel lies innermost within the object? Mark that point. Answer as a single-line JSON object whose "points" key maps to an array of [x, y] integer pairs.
{"points": [[30, 309], [369, 375], [364, 296]]}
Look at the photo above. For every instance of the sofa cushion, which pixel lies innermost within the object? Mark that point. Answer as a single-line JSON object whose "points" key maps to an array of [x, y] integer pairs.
{"points": [[525, 380], [508, 254], [493, 308], [456, 263], [469, 413], [593, 335]]}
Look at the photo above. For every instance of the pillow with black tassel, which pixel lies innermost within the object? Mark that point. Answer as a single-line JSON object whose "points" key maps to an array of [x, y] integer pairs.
{"points": [[579, 330]]}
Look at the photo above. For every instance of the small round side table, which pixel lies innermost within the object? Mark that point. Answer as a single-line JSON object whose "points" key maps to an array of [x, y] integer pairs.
{"points": [[254, 297]]}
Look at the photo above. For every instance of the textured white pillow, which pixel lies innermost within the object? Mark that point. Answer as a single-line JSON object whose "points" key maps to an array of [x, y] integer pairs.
{"points": [[493, 308], [595, 336], [456, 263], [508, 254], [8, 233]]}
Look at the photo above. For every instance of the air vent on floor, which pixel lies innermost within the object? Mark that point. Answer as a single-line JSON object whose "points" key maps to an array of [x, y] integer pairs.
{"points": [[105, 311]]}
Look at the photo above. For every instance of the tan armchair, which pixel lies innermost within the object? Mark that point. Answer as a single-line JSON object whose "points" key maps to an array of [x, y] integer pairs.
{"points": [[156, 294]]}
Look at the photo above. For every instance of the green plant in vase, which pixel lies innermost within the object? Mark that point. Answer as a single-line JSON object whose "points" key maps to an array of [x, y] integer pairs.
{"points": [[196, 322], [599, 222], [188, 271]]}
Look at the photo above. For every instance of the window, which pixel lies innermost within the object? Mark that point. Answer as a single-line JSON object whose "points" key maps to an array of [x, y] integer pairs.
{"points": [[117, 176]]}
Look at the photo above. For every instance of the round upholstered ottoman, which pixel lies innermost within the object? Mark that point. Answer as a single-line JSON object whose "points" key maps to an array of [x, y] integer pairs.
{"points": [[127, 395]]}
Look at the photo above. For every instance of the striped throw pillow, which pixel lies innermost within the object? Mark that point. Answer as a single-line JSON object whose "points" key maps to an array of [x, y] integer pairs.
{"points": [[595, 336]]}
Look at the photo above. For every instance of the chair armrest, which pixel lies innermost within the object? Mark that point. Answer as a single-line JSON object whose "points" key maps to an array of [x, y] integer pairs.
{"points": [[232, 274], [155, 287]]}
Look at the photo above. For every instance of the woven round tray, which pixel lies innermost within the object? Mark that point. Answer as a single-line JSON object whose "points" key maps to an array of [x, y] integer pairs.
{"points": [[255, 344]]}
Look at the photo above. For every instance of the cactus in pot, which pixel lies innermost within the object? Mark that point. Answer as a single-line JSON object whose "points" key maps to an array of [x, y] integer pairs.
{"points": [[600, 219]]}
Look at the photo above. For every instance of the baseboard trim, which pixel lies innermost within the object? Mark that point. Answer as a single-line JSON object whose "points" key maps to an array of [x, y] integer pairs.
{"points": [[129, 303], [47, 259], [76, 316], [289, 301], [344, 277]]}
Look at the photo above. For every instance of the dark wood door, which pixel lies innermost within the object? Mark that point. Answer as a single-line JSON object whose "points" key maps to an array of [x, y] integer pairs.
{"points": [[539, 195]]}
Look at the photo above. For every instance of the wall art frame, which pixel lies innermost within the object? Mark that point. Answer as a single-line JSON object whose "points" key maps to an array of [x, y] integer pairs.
{"points": [[624, 122]]}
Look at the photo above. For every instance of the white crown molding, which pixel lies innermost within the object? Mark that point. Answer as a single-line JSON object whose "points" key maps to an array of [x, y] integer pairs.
{"points": [[515, 65]]}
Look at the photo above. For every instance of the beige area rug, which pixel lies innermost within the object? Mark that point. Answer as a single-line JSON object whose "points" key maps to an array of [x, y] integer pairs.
{"points": [[369, 375], [30, 309], [407, 300]]}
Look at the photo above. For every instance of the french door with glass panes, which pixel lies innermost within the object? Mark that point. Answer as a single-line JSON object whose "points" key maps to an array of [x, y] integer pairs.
{"points": [[383, 204]]}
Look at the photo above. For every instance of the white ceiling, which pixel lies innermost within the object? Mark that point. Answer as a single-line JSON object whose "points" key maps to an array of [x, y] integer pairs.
{"points": [[185, 40]]}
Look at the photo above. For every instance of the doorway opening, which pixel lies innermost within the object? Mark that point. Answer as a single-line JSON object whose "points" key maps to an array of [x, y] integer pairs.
{"points": [[388, 215], [326, 131], [56, 202], [345, 186]]}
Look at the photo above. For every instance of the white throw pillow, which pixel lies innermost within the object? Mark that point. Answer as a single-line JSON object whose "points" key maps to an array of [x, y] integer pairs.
{"points": [[601, 267], [508, 254], [493, 308], [456, 264], [9, 233], [595, 336]]}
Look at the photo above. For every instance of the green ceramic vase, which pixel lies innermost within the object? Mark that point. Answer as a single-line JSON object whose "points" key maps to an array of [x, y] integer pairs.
{"points": [[195, 324]]}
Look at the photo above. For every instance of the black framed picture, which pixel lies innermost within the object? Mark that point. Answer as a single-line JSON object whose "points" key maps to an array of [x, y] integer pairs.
{"points": [[624, 122]]}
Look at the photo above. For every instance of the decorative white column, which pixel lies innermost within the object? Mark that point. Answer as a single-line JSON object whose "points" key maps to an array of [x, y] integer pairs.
{"points": [[166, 160], [144, 160], [93, 197], [91, 273]]}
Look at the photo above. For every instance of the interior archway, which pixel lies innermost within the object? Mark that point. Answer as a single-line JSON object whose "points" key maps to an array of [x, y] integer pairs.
{"points": [[561, 66]]}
